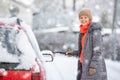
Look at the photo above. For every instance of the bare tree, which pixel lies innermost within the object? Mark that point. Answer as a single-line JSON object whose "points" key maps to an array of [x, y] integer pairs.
{"points": [[64, 4], [74, 1]]}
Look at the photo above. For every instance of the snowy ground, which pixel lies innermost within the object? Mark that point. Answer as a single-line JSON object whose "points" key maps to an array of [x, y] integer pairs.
{"points": [[64, 68], [113, 70]]}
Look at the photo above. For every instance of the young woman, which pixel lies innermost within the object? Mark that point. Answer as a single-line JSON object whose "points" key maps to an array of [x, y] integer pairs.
{"points": [[91, 65]]}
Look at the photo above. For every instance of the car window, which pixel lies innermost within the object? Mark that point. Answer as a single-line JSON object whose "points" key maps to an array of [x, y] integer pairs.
{"points": [[16, 51]]}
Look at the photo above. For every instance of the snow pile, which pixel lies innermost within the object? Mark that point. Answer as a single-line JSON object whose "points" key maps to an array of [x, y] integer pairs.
{"points": [[32, 39], [28, 56]]}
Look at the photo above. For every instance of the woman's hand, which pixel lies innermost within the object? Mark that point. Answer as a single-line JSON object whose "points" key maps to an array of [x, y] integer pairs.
{"points": [[92, 71]]}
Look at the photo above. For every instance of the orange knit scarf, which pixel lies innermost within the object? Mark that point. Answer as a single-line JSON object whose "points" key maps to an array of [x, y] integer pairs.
{"points": [[83, 30]]}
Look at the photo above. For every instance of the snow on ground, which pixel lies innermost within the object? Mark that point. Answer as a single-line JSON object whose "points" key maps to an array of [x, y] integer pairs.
{"points": [[113, 70], [65, 68]]}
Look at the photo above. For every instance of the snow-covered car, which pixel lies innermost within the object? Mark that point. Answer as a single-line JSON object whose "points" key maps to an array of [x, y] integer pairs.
{"points": [[20, 56]]}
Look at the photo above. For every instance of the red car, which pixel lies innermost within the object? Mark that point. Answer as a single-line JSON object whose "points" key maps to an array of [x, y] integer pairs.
{"points": [[20, 57]]}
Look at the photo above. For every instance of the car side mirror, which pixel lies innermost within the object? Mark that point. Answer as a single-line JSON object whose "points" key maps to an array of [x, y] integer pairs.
{"points": [[48, 57]]}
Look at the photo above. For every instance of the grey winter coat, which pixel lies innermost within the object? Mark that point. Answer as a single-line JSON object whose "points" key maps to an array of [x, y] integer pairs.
{"points": [[92, 56]]}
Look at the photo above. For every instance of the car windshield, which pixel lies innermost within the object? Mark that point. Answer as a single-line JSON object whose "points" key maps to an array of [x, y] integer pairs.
{"points": [[16, 51]]}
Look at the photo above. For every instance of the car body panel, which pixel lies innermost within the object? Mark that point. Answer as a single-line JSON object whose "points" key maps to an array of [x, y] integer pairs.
{"points": [[16, 75]]}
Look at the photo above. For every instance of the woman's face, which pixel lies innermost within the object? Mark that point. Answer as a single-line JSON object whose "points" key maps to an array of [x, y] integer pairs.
{"points": [[84, 20]]}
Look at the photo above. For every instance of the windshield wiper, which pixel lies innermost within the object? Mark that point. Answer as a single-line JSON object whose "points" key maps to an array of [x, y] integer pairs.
{"points": [[8, 65]]}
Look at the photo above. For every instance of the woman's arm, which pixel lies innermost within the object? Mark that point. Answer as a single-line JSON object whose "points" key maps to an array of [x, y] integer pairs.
{"points": [[96, 48]]}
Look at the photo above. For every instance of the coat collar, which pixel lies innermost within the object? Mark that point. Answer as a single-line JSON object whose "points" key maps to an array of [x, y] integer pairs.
{"points": [[94, 26]]}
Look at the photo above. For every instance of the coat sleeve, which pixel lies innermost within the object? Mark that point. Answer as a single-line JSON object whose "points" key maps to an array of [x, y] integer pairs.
{"points": [[77, 52], [96, 48]]}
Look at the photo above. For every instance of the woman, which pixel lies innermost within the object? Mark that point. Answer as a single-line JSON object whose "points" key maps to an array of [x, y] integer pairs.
{"points": [[91, 65]]}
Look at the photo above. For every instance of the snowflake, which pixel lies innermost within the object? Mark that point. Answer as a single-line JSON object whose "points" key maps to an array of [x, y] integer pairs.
{"points": [[86, 61], [96, 48], [95, 33], [100, 57]]}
